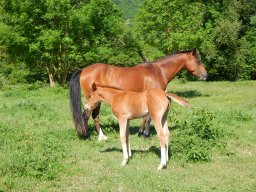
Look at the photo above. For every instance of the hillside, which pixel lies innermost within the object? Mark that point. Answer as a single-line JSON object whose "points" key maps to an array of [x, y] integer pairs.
{"points": [[129, 7]]}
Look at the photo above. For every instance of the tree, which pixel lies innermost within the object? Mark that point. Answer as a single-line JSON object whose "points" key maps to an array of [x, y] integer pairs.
{"points": [[247, 53], [219, 29], [40, 36], [60, 36], [169, 25]]}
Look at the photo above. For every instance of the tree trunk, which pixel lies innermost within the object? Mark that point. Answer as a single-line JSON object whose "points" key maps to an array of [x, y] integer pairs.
{"points": [[50, 75]]}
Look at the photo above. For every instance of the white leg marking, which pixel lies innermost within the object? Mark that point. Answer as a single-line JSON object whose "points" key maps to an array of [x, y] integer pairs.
{"points": [[101, 136], [163, 159], [167, 135], [125, 154]]}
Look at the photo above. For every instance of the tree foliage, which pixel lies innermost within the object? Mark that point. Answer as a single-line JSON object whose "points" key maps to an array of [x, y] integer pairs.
{"points": [[220, 29], [55, 37], [47, 40]]}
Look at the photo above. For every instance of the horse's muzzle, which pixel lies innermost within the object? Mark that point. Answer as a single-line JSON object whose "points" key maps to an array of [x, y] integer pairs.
{"points": [[203, 77], [87, 107]]}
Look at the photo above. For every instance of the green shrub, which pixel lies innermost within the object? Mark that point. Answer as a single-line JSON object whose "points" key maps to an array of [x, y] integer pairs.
{"points": [[194, 135], [240, 115], [36, 85], [18, 76]]}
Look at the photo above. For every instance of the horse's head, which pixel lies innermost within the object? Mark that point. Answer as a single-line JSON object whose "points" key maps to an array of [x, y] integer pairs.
{"points": [[93, 99], [194, 65]]}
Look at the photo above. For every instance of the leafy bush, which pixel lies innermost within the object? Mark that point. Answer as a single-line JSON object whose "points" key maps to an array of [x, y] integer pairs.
{"points": [[240, 115], [194, 135], [18, 76], [36, 85]]}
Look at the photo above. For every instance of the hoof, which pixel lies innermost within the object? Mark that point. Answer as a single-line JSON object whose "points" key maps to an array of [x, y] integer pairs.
{"points": [[124, 162], [140, 133], [102, 138], [161, 167], [146, 136]]}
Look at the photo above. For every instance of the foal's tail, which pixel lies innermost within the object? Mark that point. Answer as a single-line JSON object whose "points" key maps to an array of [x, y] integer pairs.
{"points": [[76, 105], [183, 102]]}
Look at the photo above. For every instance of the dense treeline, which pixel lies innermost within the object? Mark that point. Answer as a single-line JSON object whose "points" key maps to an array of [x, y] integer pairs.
{"points": [[47, 40]]}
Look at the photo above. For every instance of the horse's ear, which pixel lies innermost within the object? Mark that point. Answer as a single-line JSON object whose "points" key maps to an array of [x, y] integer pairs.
{"points": [[194, 51], [94, 88]]}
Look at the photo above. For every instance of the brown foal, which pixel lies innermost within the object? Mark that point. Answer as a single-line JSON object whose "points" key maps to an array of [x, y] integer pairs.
{"points": [[129, 105]]}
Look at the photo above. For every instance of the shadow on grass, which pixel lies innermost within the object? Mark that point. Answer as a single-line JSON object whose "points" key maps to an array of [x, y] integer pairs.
{"points": [[190, 94], [114, 128], [152, 149]]}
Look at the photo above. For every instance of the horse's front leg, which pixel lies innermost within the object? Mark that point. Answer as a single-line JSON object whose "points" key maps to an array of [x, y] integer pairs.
{"points": [[123, 139], [96, 118]]}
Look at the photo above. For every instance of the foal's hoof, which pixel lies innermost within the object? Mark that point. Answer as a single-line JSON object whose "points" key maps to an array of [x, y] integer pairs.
{"points": [[161, 166], [102, 138], [124, 162]]}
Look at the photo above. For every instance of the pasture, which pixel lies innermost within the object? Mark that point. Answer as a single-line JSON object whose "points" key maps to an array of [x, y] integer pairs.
{"points": [[213, 144]]}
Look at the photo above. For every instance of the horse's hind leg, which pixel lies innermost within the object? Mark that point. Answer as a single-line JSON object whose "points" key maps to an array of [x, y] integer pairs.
{"points": [[147, 126], [141, 130], [96, 118], [144, 128]]}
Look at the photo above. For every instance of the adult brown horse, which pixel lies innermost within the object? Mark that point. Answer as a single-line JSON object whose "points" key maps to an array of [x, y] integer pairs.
{"points": [[155, 74]]}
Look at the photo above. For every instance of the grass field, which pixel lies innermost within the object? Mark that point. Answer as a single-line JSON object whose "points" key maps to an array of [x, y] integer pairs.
{"points": [[40, 151]]}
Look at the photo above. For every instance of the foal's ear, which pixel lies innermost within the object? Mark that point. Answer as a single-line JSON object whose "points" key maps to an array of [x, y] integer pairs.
{"points": [[94, 88]]}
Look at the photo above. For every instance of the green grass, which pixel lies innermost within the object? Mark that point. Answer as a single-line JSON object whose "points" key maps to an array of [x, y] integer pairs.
{"points": [[40, 151]]}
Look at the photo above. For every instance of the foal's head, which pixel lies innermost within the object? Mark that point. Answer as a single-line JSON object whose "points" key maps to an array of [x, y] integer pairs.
{"points": [[93, 99], [194, 65]]}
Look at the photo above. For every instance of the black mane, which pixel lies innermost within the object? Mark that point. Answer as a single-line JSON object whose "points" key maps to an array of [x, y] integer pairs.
{"points": [[178, 52]]}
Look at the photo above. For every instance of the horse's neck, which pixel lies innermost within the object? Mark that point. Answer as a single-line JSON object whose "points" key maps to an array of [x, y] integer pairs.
{"points": [[171, 66]]}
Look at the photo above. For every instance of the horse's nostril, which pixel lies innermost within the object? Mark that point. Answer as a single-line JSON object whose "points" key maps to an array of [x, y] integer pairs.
{"points": [[203, 76]]}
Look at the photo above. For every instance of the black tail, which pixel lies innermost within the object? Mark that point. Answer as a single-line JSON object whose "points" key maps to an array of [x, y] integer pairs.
{"points": [[76, 105]]}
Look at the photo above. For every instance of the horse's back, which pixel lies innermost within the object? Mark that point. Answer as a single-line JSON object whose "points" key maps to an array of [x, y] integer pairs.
{"points": [[137, 78]]}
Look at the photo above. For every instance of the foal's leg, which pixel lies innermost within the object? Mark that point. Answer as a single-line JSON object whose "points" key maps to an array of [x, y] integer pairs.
{"points": [[128, 140], [162, 137], [96, 118], [166, 133], [123, 139], [167, 138]]}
